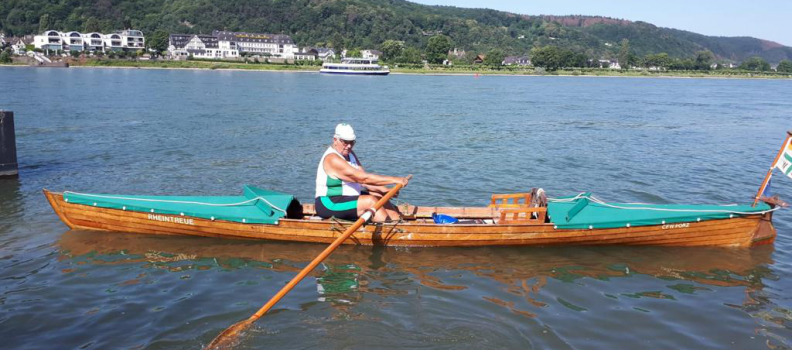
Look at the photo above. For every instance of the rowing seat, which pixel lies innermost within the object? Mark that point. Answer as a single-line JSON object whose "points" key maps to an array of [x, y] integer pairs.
{"points": [[523, 215], [510, 200], [528, 207]]}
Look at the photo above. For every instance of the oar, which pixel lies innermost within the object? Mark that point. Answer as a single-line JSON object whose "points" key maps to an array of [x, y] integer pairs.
{"points": [[226, 339]]}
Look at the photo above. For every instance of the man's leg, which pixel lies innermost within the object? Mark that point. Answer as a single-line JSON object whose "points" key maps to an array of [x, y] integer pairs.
{"points": [[366, 202], [393, 212]]}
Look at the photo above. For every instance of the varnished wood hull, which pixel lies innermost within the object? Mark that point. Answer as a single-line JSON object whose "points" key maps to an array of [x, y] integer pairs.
{"points": [[735, 232]]}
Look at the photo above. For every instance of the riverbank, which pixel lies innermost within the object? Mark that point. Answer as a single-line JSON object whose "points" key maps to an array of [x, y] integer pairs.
{"points": [[428, 70]]}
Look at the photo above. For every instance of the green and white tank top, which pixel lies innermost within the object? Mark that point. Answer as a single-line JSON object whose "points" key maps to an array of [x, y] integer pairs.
{"points": [[327, 185]]}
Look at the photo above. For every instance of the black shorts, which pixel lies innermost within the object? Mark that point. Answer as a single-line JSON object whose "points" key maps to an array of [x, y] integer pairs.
{"points": [[339, 207]]}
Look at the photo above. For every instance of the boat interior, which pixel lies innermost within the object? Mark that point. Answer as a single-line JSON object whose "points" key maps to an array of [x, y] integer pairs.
{"points": [[513, 208]]}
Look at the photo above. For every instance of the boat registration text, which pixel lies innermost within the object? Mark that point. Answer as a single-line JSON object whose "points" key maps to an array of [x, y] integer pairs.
{"points": [[681, 225], [173, 219]]}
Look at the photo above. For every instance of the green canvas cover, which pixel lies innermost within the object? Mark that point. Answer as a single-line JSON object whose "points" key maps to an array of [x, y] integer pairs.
{"points": [[251, 207], [585, 213]]}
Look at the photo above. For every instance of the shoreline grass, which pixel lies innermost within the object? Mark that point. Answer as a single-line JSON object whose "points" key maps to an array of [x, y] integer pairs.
{"points": [[429, 70]]}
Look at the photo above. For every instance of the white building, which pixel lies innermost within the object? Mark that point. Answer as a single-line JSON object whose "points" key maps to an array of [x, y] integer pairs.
{"points": [[223, 44], [276, 45], [52, 40], [305, 56], [321, 53], [19, 46], [182, 46], [612, 64], [370, 54], [325, 54]]}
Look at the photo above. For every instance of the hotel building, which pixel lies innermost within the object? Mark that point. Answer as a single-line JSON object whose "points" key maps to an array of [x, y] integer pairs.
{"points": [[127, 40], [223, 44]]}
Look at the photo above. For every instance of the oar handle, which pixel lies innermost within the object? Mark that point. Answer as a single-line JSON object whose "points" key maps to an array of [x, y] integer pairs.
{"points": [[316, 261]]}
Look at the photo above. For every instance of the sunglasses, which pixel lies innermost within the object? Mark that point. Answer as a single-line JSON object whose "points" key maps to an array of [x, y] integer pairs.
{"points": [[345, 142]]}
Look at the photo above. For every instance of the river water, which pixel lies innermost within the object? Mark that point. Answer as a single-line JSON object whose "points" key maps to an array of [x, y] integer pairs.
{"points": [[190, 132]]}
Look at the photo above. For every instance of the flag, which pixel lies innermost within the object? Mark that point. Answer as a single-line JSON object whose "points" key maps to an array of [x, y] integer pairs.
{"points": [[785, 161], [767, 192]]}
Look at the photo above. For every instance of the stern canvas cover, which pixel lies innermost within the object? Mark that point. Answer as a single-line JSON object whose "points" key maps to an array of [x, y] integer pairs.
{"points": [[255, 206]]}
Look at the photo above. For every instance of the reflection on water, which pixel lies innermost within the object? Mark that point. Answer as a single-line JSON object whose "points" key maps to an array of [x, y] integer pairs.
{"points": [[523, 280], [10, 200]]}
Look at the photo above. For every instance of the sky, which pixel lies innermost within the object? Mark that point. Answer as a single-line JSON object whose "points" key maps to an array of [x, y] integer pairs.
{"points": [[763, 19]]}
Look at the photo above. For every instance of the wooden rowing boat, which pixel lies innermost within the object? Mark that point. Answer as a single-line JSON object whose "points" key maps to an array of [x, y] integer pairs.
{"points": [[507, 221]]}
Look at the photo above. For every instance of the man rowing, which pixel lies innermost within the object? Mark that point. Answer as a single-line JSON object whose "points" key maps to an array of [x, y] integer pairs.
{"points": [[344, 190]]}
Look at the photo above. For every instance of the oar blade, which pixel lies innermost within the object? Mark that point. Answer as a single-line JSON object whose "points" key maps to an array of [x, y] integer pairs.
{"points": [[230, 337]]}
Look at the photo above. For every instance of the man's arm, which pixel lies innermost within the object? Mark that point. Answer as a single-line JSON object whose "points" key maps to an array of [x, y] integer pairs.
{"points": [[381, 190], [338, 167]]}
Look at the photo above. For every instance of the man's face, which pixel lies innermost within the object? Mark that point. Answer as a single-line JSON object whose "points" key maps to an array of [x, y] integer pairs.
{"points": [[343, 146]]}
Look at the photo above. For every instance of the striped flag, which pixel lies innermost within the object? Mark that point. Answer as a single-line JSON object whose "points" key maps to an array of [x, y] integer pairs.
{"points": [[785, 161]]}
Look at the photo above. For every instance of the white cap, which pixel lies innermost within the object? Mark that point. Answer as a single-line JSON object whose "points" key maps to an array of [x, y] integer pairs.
{"points": [[344, 132]]}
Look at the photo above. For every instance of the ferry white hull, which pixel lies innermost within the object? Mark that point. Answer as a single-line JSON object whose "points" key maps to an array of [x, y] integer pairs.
{"points": [[353, 72]]}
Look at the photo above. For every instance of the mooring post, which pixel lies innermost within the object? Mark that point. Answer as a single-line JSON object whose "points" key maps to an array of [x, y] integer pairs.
{"points": [[8, 156]]}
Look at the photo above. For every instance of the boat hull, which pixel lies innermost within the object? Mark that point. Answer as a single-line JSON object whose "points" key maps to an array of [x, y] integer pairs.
{"points": [[327, 71], [742, 231]]}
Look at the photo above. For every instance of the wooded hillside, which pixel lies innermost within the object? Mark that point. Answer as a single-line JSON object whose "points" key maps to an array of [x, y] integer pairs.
{"points": [[367, 24]]}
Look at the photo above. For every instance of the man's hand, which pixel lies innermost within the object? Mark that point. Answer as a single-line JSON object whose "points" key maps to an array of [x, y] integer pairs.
{"points": [[405, 180]]}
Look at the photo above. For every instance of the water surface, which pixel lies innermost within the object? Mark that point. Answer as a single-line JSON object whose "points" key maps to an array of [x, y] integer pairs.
{"points": [[177, 132]]}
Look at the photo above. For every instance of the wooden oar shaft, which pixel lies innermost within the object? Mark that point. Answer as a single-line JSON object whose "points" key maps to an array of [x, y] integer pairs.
{"points": [[316, 261], [770, 171], [226, 339]]}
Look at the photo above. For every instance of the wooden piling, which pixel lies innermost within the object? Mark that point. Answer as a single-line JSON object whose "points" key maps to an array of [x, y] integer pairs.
{"points": [[8, 156]]}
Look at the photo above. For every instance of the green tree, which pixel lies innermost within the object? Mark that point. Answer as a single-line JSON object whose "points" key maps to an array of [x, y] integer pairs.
{"points": [[704, 60], [785, 66], [660, 61], [43, 23], [755, 63], [437, 48], [391, 49], [494, 58], [337, 43], [91, 25], [354, 53], [682, 64], [158, 40], [409, 55], [624, 54], [548, 57], [5, 57]]}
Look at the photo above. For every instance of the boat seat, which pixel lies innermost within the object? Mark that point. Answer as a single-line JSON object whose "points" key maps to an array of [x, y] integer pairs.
{"points": [[510, 200], [525, 215]]}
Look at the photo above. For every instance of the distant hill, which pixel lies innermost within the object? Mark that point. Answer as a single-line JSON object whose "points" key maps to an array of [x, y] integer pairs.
{"points": [[366, 24]]}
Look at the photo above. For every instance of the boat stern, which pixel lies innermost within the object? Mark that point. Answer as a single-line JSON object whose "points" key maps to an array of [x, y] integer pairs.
{"points": [[765, 232], [55, 199]]}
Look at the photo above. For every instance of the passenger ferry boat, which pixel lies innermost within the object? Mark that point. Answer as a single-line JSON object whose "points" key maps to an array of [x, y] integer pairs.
{"points": [[355, 66]]}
